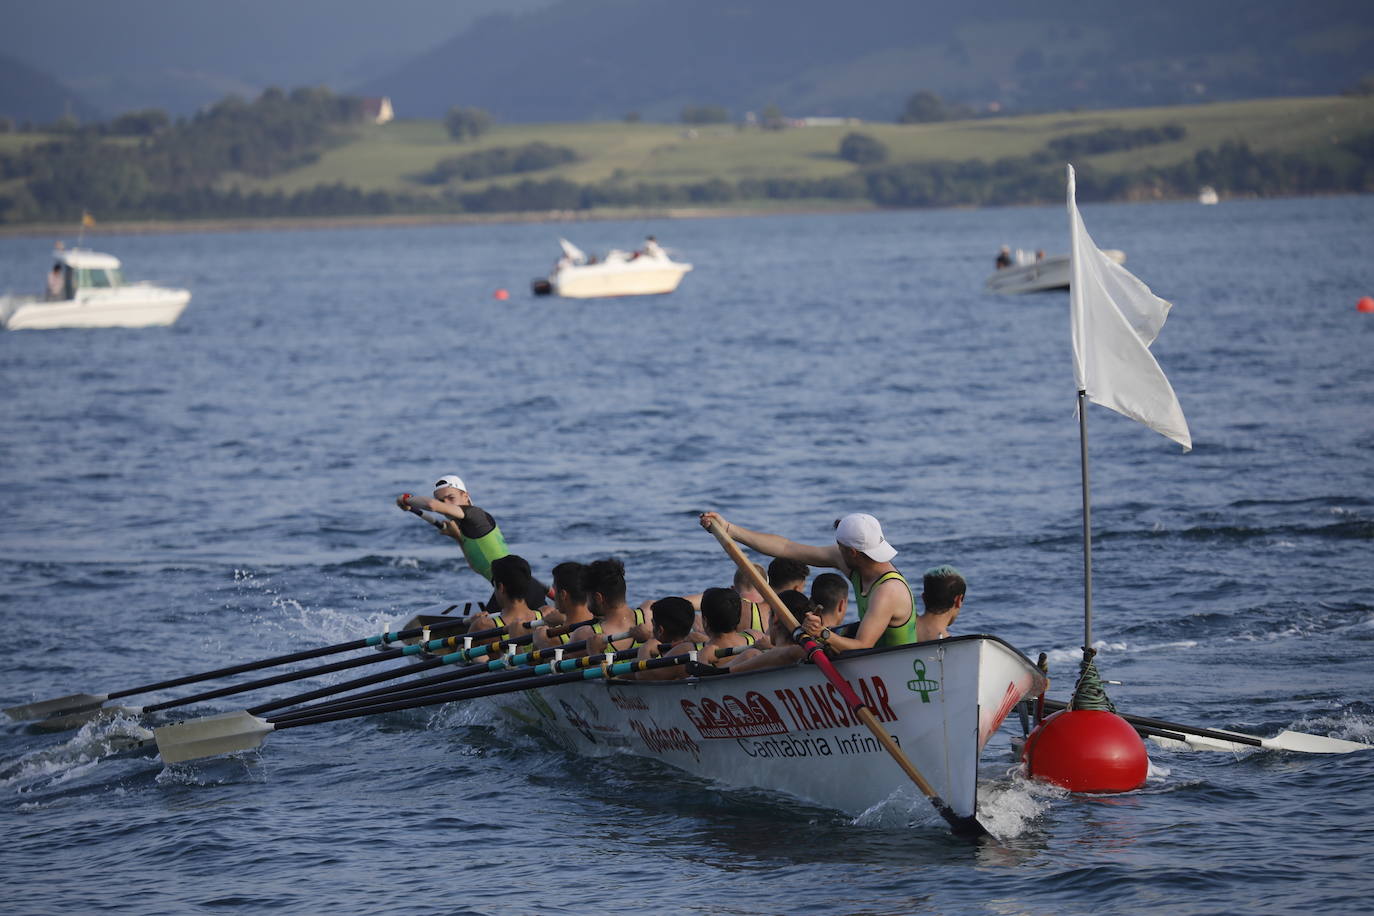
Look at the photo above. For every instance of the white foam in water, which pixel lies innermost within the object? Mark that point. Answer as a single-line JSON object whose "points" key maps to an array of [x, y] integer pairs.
{"points": [[75, 757], [1008, 809]]}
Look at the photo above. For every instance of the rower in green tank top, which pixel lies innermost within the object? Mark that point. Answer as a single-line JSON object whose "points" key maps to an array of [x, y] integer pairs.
{"points": [[474, 529], [887, 609]]}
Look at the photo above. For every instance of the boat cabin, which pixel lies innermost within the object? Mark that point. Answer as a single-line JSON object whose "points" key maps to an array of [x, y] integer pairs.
{"points": [[84, 269]]}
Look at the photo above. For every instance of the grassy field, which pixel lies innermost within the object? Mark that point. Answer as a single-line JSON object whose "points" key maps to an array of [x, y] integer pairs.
{"points": [[388, 157]]}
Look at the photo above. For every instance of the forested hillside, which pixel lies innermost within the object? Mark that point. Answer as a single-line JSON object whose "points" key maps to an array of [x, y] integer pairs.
{"points": [[310, 153]]}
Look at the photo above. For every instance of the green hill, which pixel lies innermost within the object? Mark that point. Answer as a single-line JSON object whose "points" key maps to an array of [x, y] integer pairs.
{"points": [[384, 158], [309, 154]]}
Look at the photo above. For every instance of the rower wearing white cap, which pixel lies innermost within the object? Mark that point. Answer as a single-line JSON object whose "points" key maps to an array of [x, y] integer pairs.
{"points": [[887, 608], [474, 529]]}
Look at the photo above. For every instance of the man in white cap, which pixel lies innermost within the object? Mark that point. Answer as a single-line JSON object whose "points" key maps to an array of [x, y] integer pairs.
{"points": [[474, 529], [887, 608]]}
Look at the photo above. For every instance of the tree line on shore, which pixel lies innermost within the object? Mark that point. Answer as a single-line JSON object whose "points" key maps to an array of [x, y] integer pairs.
{"points": [[164, 170]]}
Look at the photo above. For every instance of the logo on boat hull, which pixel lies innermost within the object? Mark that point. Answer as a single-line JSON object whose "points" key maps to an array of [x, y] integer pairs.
{"points": [[734, 718], [921, 684]]}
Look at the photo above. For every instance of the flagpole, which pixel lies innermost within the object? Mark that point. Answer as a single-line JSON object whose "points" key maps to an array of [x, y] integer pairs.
{"points": [[1087, 523]]}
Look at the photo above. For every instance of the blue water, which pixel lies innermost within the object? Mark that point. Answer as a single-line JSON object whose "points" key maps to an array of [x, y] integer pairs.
{"points": [[173, 500]]}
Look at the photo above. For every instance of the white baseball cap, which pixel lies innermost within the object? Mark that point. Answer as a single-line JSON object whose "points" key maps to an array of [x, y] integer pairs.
{"points": [[451, 480], [864, 534]]}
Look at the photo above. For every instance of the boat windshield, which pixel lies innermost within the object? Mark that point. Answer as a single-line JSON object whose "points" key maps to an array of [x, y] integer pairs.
{"points": [[98, 278]]}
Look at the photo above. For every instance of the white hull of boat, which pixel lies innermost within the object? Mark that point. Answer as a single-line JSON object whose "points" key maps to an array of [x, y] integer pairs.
{"points": [[1038, 276], [126, 307], [786, 729], [641, 277]]}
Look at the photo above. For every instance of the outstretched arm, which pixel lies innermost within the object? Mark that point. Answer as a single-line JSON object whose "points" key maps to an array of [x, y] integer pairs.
{"points": [[775, 545]]}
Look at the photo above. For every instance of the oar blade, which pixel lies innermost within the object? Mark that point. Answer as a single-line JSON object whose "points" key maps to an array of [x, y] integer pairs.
{"points": [[1313, 744], [75, 702], [235, 731]]}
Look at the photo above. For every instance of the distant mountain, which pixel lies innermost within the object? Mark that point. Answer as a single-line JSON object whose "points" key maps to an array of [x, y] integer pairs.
{"points": [[182, 56], [27, 94], [603, 59]]}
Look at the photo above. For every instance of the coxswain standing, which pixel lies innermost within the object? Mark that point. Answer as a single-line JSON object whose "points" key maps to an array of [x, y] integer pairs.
{"points": [[474, 529]]}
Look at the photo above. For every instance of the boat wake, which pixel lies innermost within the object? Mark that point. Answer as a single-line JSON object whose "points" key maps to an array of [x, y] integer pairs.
{"points": [[75, 757]]}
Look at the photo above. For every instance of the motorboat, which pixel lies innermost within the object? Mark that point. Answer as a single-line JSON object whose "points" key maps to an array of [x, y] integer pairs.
{"points": [[1207, 195], [87, 290], [1029, 273], [647, 271]]}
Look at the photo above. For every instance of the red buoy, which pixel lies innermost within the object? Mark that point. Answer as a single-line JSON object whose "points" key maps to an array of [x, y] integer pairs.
{"points": [[502, 294], [1087, 750], [1366, 304]]}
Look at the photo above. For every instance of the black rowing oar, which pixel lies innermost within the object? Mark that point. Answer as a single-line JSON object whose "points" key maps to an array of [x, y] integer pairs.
{"points": [[495, 673], [241, 731], [455, 658], [372, 659], [1219, 740], [966, 826], [78, 702]]}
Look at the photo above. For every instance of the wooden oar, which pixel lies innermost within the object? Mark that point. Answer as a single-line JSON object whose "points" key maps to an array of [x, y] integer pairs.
{"points": [[77, 702], [1220, 740], [241, 731], [968, 826]]}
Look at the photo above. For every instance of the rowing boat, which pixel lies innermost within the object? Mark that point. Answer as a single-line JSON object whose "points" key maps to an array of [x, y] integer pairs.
{"points": [[787, 729]]}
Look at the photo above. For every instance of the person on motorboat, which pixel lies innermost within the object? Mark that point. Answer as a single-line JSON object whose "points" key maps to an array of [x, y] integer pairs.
{"points": [[510, 575], [942, 594], [1004, 258], [474, 529], [652, 248], [887, 607], [57, 285]]}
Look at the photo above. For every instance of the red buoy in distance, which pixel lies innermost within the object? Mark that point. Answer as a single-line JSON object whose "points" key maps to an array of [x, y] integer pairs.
{"points": [[501, 294], [1087, 750], [1365, 304]]}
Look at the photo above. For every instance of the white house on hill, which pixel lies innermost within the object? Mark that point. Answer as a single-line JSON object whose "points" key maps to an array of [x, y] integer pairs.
{"points": [[377, 109]]}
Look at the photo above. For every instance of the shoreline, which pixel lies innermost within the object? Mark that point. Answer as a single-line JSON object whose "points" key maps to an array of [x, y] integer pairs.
{"points": [[293, 223]]}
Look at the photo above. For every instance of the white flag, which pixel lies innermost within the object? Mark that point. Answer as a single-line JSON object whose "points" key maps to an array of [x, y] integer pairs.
{"points": [[1115, 319]]}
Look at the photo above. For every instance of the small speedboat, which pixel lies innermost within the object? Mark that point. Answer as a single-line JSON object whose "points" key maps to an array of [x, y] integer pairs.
{"points": [[87, 290], [1034, 273], [1207, 195], [648, 271]]}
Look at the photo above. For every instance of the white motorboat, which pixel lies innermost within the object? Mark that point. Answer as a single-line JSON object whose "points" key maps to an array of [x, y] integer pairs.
{"points": [[91, 293], [1207, 195], [1033, 274], [646, 272]]}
